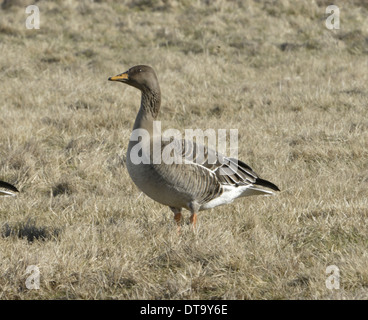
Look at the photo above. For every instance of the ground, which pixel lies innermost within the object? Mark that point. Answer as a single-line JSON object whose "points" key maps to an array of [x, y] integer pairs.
{"points": [[296, 92]]}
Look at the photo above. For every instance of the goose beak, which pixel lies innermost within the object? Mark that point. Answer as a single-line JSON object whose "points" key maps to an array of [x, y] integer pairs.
{"points": [[122, 77]]}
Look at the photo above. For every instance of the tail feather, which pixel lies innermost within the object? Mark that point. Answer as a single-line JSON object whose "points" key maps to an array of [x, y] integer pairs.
{"points": [[267, 184], [7, 186]]}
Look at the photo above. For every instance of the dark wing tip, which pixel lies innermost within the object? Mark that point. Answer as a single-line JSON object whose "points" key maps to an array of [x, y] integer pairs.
{"points": [[267, 184], [8, 186]]}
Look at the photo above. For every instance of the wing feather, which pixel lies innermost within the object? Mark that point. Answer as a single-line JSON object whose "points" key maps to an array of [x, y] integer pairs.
{"points": [[205, 172]]}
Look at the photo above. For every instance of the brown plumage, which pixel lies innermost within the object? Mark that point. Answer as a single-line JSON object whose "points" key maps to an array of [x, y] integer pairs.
{"points": [[190, 182]]}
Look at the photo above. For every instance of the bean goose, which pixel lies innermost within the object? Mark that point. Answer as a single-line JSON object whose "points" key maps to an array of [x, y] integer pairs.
{"points": [[194, 184]]}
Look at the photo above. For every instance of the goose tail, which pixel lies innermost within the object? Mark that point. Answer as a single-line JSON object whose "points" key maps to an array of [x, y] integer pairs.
{"points": [[7, 189]]}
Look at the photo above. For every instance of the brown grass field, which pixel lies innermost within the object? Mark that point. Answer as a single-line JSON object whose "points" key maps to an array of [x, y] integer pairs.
{"points": [[295, 90]]}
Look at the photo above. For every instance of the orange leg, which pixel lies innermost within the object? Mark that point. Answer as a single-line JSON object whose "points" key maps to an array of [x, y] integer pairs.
{"points": [[193, 219], [177, 218]]}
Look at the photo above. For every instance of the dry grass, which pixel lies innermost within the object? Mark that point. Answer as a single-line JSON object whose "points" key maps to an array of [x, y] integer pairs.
{"points": [[296, 92]]}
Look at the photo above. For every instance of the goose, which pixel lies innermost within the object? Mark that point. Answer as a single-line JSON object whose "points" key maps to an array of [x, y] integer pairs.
{"points": [[190, 182], [10, 190]]}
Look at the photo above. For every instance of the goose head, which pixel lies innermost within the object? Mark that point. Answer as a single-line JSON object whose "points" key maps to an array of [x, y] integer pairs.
{"points": [[141, 77]]}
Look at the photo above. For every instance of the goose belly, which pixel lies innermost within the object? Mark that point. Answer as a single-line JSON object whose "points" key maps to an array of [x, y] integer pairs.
{"points": [[148, 180]]}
